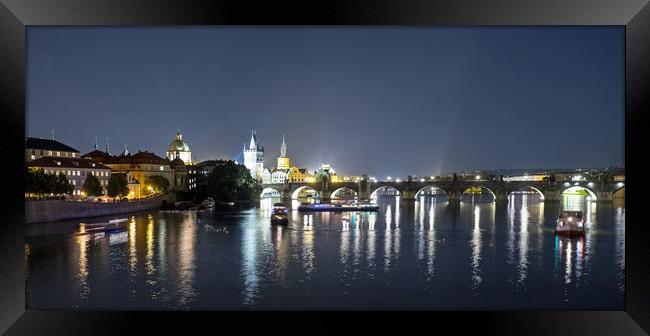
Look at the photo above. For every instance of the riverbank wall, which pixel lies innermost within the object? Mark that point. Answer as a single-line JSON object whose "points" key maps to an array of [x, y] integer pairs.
{"points": [[39, 211]]}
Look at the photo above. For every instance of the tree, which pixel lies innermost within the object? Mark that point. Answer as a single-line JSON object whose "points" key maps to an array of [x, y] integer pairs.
{"points": [[230, 182], [62, 185], [91, 186], [117, 186], [160, 184]]}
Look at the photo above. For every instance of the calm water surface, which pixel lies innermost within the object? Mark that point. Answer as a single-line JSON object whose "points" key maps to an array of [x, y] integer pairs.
{"points": [[423, 255]]}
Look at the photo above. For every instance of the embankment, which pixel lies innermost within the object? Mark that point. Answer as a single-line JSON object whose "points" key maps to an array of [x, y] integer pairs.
{"points": [[56, 210]]}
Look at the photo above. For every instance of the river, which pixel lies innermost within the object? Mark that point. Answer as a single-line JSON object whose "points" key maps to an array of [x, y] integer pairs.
{"points": [[427, 254]]}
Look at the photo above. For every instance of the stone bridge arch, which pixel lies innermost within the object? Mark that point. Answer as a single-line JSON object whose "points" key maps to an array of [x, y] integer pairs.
{"points": [[333, 194], [375, 189], [295, 191], [270, 190], [592, 193], [536, 189]]}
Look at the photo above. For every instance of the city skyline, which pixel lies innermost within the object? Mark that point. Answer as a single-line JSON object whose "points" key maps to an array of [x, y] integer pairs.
{"points": [[87, 73]]}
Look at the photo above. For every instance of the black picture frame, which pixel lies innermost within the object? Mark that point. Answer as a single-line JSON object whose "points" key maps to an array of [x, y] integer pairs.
{"points": [[15, 15]]}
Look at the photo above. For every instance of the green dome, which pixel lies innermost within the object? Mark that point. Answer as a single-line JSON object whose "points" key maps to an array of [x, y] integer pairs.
{"points": [[178, 144]]}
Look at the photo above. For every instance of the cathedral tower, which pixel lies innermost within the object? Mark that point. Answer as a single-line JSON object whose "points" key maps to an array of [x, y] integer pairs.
{"points": [[283, 160], [254, 156]]}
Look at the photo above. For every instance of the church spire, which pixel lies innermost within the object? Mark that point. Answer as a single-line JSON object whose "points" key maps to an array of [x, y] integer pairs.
{"points": [[96, 144], [283, 148], [108, 148], [126, 151], [53, 134], [179, 136], [253, 143]]}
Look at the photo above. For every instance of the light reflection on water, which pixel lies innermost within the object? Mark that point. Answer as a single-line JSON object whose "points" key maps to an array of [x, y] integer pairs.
{"points": [[428, 254]]}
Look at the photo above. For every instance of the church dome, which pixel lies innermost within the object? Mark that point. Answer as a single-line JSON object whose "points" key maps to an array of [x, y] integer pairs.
{"points": [[178, 145]]}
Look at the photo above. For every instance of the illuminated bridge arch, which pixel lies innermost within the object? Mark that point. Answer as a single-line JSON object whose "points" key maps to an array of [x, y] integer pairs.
{"points": [[270, 192], [591, 193], [335, 193], [296, 193], [373, 194], [539, 192], [431, 187], [465, 191]]}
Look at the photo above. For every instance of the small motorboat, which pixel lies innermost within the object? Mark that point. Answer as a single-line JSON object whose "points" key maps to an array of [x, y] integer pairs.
{"points": [[570, 223], [279, 214]]}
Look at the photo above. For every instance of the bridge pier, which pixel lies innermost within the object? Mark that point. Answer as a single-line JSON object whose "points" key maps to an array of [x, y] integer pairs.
{"points": [[501, 197], [408, 195], [454, 196], [604, 196]]}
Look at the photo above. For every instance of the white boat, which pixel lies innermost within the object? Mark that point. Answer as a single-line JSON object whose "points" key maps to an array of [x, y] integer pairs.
{"points": [[115, 221], [570, 223]]}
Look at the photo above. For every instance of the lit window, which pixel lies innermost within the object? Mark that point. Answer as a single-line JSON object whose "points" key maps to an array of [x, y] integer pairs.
{"points": [[58, 153], [74, 182], [161, 168], [33, 156], [73, 154], [49, 153]]}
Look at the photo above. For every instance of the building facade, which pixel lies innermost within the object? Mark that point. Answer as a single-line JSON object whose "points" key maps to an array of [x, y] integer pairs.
{"points": [[283, 161], [36, 148], [75, 169], [254, 157]]}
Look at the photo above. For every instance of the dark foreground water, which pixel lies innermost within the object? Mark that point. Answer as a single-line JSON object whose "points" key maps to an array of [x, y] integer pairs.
{"points": [[426, 255]]}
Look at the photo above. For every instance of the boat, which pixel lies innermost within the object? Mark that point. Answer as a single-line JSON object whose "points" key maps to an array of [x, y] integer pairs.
{"points": [[337, 207], [570, 223], [208, 203], [279, 214], [101, 224]]}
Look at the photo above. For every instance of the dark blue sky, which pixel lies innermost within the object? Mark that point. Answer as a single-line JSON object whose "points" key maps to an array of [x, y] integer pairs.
{"points": [[382, 101]]}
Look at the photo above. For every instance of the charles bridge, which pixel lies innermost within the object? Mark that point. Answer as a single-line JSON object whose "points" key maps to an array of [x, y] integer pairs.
{"points": [[408, 190]]}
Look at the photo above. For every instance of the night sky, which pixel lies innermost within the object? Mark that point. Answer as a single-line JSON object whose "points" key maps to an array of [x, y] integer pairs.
{"points": [[381, 101]]}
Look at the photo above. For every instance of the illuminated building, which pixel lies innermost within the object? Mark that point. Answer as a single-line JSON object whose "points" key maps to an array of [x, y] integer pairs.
{"points": [[37, 148], [283, 161], [534, 177], [296, 174], [254, 157], [326, 170], [285, 171], [279, 176], [179, 149], [266, 175], [75, 169]]}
